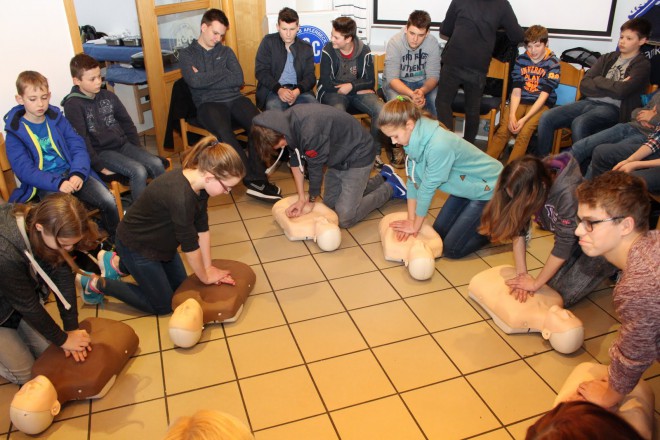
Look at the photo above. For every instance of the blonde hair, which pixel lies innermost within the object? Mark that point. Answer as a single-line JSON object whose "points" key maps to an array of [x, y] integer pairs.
{"points": [[208, 425], [217, 158]]}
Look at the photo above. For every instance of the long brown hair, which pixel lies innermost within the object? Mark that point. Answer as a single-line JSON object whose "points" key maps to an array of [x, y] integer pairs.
{"points": [[62, 216], [217, 158], [263, 139], [528, 180]]}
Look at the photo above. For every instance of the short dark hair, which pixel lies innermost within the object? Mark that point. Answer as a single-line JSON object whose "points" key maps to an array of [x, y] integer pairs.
{"points": [[288, 15], [641, 26], [536, 33], [215, 15], [345, 26], [81, 63], [419, 19]]}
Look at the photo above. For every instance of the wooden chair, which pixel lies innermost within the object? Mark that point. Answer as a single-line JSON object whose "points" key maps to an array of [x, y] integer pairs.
{"points": [[490, 106], [8, 181], [569, 76], [379, 66]]}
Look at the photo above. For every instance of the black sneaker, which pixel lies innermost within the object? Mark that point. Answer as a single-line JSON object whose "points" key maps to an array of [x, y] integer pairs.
{"points": [[263, 190]]}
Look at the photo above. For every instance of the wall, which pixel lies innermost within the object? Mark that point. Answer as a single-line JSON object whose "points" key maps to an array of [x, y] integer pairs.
{"points": [[36, 37], [114, 17]]}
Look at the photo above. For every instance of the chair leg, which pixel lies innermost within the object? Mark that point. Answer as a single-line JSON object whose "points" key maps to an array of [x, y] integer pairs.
{"points": [[114, 189]]}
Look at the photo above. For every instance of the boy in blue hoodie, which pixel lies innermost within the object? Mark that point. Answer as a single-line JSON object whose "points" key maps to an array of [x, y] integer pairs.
{"points": [[535, 77], [47, 155]]}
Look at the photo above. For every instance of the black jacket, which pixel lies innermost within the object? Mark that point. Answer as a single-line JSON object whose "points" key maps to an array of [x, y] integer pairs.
{"points": [[330, 67], [270, 62]]}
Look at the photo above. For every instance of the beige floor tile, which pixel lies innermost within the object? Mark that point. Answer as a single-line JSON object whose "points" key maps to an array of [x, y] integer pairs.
{"points": [[346, 241], [74, 408], [525, 344], [242, 251], [259, 312], [350, 379], [385, 323], [146, 329], [519, 430], [596, 321], [555, 367], [655, 386], [459, 272], [310, 301], [200, 366], [322, 338], [499, 434], [250, 208], [70, 429], [225, 398], [114, 309], [293, 272], [394, 205], [407, 286], [7, 393], [262, 227], [139, 381], [382, 419], [226, 233], [344, 262], [144, 420], [541, 247], [210, 332], [415, 363], [364, 290], [262, 285], [84, 311], [442, 310], [317, 428], [223, 214], [269, 401], [279, 248], [499, 255], [599, 347], [526, 394], [475, 347], [288, 186], [366, 231], [263, 351], [447, 418], [463, 290], [603, 299], [221, 200], [375, 253]]}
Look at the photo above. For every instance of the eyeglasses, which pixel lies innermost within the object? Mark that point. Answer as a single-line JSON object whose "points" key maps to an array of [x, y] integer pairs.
{"points": [[589, 224], [225, 187]]}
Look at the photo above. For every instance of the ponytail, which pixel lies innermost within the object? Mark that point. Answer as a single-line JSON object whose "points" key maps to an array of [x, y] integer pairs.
{"points": [[217, 158]]}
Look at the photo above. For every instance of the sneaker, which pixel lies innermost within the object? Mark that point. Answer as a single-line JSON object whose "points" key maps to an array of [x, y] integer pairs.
{"points": [[397, 183], [263, 190], [378, 163], [87, 292], [108, 270], [398, 157], [387, 171]]}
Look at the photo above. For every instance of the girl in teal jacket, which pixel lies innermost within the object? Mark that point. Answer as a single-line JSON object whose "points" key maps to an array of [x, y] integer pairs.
{"points": [[438, 159]]}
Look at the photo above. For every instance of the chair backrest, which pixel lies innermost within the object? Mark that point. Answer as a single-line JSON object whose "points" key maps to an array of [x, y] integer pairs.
{"points": [[569, 83], [500, 70], [7, 182], [379, 67]]}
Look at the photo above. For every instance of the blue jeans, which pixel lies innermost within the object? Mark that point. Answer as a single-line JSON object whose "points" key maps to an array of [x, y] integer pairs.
{"points": [[353, 195], [273, 101], [157, 281], [20, 347], [473, 82], [390, 94], [620, 135], [584, 118], [608, 155], [368, 103], [135, 163], [95, 194], [457, 225]]}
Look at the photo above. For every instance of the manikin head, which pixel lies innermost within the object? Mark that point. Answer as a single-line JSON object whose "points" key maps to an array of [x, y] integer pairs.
{"points": [[328, 235], [186, 324], [421, 263], [34, 406], [563, 330]]}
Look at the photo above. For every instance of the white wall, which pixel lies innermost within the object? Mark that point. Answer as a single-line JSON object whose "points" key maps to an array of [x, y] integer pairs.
{"points": [[36, 37], [116, 17]]}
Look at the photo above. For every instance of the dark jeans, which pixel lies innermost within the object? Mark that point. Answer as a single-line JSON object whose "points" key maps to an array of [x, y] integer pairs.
{"points": [[133, 162], [608, 155], [96, 195], [157, 281], [473, 82], [368, 103], [220, 118], [457, 225], [273, 101]]}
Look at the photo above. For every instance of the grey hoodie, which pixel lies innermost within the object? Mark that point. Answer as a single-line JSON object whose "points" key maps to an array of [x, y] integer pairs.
{"points": [[403, 62], [322, 134]]}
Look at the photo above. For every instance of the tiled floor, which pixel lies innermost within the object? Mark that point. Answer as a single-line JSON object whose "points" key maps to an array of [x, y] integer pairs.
{"points": [[339, 345]]}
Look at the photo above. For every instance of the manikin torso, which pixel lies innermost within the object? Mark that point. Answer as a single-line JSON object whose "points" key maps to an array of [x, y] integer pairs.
{"points": [[320, 224]]}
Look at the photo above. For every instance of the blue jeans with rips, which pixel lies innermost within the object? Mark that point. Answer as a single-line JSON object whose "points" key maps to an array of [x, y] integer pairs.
{"points": [[390, 94], [134, 162], [457, 225]]}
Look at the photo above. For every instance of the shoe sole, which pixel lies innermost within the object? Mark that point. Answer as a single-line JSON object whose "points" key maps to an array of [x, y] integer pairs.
{"points": [[104, 270], [262, 196]]}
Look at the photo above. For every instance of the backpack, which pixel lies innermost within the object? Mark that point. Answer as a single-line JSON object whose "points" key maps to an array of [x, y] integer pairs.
{"points": [[579, 55]]}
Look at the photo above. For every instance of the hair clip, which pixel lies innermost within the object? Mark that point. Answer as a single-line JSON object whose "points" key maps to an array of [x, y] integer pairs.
{"points": [[400, 98]]}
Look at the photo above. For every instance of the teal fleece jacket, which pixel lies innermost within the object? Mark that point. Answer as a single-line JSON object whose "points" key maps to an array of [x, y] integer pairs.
{"points": [[439, 159]]}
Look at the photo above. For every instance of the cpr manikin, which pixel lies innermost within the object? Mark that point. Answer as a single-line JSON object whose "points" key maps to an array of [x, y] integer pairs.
{"points": [[417, 253], [319, 223], [195, 303], [58, 379], [543, 312], [636, 408]]}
